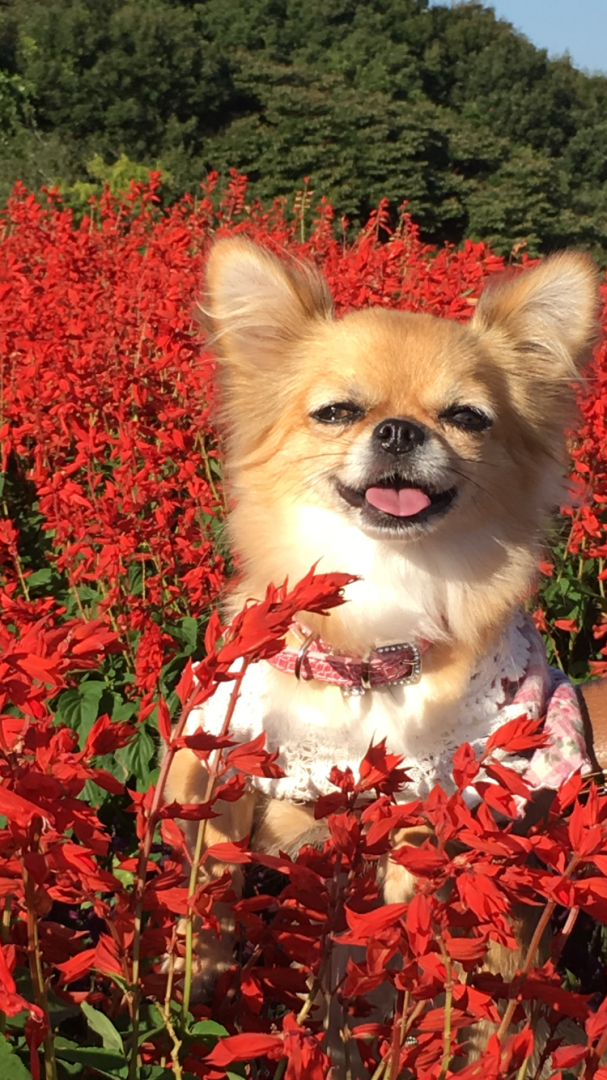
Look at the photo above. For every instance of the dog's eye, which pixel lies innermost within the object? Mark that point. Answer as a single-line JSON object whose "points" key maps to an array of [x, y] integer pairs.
{"points": [[467, 418], [340, 412]]}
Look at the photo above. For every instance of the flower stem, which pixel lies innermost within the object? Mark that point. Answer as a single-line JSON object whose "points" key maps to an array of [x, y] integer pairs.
{"points": [[35, 965], [447, 1033], [533, 947], [139, 887], [200, 839]]}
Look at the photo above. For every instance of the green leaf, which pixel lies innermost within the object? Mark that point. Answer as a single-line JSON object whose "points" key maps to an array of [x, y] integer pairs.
{"points": [[122, 710], [155, 1015], [58, 1009], [10, 1064], [158, 1072], [72, 1068], [102, 1061], [152, 1033], [40, 577], [103, 1026], [68, 709], [139, 757], [135, 578], [208, 1027], [189, 632], [207, 1032], [171, 671], [120, 981], [173, 702], [78, 708]]}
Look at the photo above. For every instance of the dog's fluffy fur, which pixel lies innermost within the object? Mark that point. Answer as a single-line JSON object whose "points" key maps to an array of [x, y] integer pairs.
{"points": [[491, 399]]}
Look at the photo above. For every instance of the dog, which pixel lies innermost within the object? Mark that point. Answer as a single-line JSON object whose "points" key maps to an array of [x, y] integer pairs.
{"points": [[424, 456]]}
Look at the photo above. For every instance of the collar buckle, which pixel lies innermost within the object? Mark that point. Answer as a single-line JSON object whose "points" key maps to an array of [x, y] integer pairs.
{"points": [[302, 653], [413, 658]]}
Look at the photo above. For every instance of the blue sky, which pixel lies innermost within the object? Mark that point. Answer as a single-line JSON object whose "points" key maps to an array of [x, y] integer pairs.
{"points": [[575, 26]]}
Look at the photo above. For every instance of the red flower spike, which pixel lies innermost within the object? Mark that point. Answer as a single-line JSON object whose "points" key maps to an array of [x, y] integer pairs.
{"points": [[569, 792], [212, 635], [230, 852], [566, 1057], [95, 324], [418, 921], [253, 759], [36, 1029], [345, 833], [372, 923], [164, 721], [424, 861], [329, 804], [596, 1024], [507, 778], [21, 811], [380, 770], [244, 1047], [465, 766], [517, 735], [203, 742], [232, 790], [106, 736]]}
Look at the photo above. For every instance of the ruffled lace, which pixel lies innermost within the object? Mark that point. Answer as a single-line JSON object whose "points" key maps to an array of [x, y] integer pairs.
{"points": [[310, 747]]}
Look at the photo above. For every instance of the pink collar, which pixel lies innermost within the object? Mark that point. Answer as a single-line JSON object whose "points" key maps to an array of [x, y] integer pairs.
{"points": [[389, 665]]}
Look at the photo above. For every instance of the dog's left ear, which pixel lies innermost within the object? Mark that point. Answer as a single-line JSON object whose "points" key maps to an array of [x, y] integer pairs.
{"points": [[548, 315], [256, 306]]}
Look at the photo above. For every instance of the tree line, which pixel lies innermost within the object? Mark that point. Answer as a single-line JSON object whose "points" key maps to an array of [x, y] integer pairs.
{"points": [[446, 107]]}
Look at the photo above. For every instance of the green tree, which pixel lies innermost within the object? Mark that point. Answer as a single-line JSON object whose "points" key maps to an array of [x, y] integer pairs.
{"points": [[446, 107], [129, 77]]}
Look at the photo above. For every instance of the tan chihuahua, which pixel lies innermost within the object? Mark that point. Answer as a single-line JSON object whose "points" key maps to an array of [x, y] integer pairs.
{"points": [[420, 454]]}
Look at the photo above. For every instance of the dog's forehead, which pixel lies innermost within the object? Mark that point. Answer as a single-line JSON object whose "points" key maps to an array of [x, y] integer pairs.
{"points": [[388, 354]]}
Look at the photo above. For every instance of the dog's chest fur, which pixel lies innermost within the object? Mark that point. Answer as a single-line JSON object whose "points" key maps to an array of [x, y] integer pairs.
{"points": [[396, 599]]}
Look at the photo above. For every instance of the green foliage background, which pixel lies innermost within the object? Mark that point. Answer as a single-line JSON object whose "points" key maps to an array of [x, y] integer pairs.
{"points": [[446, 107]]}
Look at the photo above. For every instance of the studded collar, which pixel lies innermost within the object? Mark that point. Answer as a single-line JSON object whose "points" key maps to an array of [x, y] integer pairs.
{"points": [[387, 665]]}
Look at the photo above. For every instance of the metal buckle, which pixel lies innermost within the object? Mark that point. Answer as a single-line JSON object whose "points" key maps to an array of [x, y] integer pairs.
{"points": [[414, 659], [365, 672], [301, 654]]}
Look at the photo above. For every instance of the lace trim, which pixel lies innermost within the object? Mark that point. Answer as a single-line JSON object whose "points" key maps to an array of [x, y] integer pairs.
{"points": [[309, 748]]}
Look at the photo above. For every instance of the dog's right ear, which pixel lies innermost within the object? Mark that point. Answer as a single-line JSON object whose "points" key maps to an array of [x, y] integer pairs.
{"points": [[256, 305]]}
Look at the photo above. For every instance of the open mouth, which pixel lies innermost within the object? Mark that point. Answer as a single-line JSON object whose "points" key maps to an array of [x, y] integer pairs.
{"points": [[395, 502]]}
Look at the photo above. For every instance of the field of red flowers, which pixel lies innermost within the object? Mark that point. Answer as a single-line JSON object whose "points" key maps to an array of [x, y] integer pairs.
{"points": [[111, 561]]}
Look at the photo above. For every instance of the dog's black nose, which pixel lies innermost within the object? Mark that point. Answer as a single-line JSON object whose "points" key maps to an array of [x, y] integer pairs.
{"points": [[398, 436]]}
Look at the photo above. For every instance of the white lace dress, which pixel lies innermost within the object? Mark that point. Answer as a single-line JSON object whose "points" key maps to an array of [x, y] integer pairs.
{"points": [[310, 745]]}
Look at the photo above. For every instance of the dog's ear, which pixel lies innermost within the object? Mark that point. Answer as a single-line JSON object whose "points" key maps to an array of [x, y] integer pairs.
{"points": [[548, 315], [255, 304]]}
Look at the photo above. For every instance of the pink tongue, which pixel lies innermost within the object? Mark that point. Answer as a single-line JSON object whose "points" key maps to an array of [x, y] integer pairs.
{"points": [[400, 502]]}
